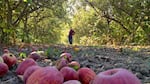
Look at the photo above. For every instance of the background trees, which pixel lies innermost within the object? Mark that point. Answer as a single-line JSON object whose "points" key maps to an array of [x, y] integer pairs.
{"points": [[30, 20], [119, 21], [95, 21]]}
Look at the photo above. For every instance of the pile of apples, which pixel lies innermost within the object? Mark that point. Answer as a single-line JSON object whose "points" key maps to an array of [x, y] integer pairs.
{"points": [[7, 60], [65, 71]]}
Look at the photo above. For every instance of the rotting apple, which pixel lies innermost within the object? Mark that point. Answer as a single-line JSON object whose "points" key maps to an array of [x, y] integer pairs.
{"points": [[86, 75], [10, 59], [72, 82], [69, 73], [46, 75], [61, 63], [67, 56], [34, 55], [29, 71], [116, 76], [6, 50], [74, 64], [3, 69], [22, 67]]}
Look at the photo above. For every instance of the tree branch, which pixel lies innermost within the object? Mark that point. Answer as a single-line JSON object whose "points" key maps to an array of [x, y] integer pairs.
{"points": [[117, 21], [92, 6], [21, 14], [31, 11], [106, 16], [17, 4], [126, 12], [1, 19]]}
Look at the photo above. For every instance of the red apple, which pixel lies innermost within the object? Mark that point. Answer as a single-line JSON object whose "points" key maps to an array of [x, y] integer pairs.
{"points": [[69, 73], [34, 55], [3, 69], [5, 50], [116, 76], [67, 56], [9, 59], [29, 71], [86, 75], [22, 67], [46, 75], [72, 82], [74, 64], [61, 63]]}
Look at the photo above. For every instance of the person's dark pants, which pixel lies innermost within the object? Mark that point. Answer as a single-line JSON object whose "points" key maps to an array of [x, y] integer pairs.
{"points": [[70, 39]]}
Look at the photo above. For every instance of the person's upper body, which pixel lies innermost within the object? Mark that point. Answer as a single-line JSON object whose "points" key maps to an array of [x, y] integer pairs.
{"points": [[71, 32]]}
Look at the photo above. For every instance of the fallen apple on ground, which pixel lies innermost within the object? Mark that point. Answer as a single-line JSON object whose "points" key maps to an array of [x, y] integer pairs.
{"points": [[69, 73], [61, 63], [6, 51], [9, 59], [34, 55], [22, 67], [29, 71], [74, 64], [86, 75], [72, 82], [46, 75], [67, 56], [116, 76], [3, 69]]}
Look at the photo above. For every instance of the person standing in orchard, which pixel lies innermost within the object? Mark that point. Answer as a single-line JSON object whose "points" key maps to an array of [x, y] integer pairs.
{"points": [[70, 36]]}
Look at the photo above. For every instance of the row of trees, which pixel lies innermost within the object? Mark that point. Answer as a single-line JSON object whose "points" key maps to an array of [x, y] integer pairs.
{"points": [[31, 20], [95, 21], [113, 22]]}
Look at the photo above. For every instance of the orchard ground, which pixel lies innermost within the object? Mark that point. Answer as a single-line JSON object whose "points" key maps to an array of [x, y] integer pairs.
{"points": [[98, 58]]}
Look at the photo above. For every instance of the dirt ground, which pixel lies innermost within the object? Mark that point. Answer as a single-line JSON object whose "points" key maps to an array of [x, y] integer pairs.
{"points": [[99, 59]]}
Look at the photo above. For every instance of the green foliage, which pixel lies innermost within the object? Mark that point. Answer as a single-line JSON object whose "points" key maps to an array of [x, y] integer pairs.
{"points": [[85, 26], [94, 21], [22, 55], [115, 22], [31, 21], [52, 52], [48, 27]]}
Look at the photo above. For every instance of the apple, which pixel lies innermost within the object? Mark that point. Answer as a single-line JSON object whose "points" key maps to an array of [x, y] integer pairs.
{"points": [[67, 56], [34, 55], [29, 71], [5, 50], [1, 60], [116, 76], [46, 75], [61, 63], [3, 69], [69, 73], [76, 48], [22, 67], [72, 82], [86, 75], [9, 59], [74, 64]]}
